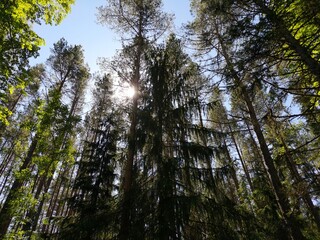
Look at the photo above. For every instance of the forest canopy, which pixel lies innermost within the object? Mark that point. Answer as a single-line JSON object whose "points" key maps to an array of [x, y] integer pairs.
{"points": [[218, 139]]}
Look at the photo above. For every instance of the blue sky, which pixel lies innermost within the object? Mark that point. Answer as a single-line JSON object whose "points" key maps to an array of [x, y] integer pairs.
{"points": [[80, 27]]}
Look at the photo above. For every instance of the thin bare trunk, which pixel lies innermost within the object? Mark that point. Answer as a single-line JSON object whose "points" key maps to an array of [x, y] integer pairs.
{"points": [[280, 26], [243, 163], [293, 228], [127, 181], [294, 172], [6, 213]]}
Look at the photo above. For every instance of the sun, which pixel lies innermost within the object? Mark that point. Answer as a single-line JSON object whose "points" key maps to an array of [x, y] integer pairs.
{"points": [[130, 92], [124, 91]]}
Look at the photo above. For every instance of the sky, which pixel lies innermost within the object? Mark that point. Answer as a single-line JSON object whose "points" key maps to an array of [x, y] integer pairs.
{"points": [[80, 27]]}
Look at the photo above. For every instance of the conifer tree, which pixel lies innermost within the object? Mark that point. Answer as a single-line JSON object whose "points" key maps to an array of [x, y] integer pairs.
{"points": [[48, 141], [218, 36], [142, 22], [92, 204]]}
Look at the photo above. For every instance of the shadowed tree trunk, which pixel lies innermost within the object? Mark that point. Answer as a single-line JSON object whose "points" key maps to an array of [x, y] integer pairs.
{"points": [[282, 199], [6, 213]]}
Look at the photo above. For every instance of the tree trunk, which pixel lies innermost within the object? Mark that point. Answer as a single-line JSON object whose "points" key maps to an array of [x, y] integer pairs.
{"points": [[294, 44], [294, 172], [125, 225], [293, 228], [6, 213], [243, 164], [128, 178], [282, 200]]}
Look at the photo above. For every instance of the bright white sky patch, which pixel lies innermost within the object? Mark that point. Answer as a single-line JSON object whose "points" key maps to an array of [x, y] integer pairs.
{"points": [[129, 92], [124, 92]]}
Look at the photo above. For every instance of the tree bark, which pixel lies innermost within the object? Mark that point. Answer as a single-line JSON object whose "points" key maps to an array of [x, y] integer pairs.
{"points": [[294, 172], [293, 228], [6, 213], [294, 44], [125, 225]]}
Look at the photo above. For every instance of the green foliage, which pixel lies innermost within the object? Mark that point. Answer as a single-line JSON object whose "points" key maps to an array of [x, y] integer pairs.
{"points": [[217, 155], [94, 213], [52, 130], [261, 46], [132, 18], [18, 41]]}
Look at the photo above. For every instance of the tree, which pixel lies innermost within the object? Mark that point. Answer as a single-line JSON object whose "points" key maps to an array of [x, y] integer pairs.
{"points": [[54, 123], [243, 79], [181, 155], [142, 22], [91, 204], [208, 147], [19, 42]]}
